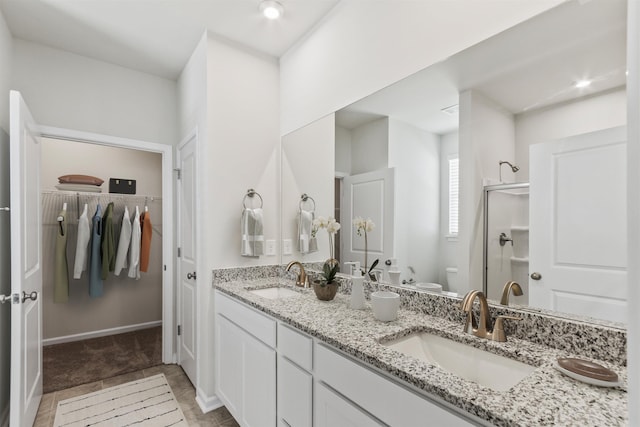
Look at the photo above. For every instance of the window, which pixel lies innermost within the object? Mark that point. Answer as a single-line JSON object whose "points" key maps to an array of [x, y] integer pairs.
{"points": [[453, 196]]}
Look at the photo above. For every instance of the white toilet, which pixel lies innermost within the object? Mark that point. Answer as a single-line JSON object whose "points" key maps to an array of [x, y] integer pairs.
{"points": [[452, 279]]}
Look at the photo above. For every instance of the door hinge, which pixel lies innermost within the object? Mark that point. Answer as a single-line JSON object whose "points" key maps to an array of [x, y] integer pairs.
{"points": [[178, 173], [179, 330], [179, 252]]}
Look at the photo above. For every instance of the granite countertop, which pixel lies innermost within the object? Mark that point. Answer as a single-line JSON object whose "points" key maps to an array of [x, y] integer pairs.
{"points": [[545, 397]]}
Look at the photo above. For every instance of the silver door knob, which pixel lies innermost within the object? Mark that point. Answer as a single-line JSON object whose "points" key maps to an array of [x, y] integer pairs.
{"points": [[32, 296], [536, 276], [191, 275]]}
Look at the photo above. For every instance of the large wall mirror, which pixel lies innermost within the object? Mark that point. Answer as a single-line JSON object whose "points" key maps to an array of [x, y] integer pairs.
{"points": [[505, 160]]}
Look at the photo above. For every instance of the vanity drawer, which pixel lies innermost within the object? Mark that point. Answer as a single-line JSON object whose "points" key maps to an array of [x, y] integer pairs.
{"points": [[255, 323], [295, 346], [384, 399]]}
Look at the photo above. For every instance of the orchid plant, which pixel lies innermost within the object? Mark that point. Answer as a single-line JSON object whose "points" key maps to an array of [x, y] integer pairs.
{"points": [[364, 226], [331, 225]]}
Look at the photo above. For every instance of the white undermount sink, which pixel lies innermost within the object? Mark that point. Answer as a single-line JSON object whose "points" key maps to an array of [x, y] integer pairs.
{"points": [[275, 292], [487, 369]]}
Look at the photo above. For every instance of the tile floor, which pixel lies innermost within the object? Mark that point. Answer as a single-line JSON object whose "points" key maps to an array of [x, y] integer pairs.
{"points": [[180, 384]]}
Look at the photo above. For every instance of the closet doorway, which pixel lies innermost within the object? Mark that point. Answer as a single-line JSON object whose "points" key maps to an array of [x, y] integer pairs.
{"points": [[134, 317]]}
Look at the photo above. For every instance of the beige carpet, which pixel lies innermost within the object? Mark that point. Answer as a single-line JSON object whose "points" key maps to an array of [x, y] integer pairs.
{"points": [[71, 364], [146, 402]]}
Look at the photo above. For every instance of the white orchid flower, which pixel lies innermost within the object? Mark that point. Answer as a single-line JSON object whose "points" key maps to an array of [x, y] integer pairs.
{"points": [[333, 226], [369, 225]]}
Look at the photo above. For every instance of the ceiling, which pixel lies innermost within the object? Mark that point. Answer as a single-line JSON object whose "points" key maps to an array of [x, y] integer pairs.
{"points": [[527, 67], [157, 36]]}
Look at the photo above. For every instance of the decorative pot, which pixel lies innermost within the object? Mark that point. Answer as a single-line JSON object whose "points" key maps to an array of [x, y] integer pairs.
{"points": [[325, 291]]}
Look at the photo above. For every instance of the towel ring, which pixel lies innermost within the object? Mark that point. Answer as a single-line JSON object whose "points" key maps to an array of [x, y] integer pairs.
{"points": [[304, 198], [251, 193]]}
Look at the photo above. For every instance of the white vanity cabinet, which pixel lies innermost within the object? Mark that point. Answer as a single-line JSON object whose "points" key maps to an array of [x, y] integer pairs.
{"points": [[246, 362], [331, 410], [295, 380], [316, 384]]}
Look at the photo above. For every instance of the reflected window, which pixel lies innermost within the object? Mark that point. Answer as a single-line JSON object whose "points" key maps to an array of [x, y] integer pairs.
{"points": [[453, 195]]}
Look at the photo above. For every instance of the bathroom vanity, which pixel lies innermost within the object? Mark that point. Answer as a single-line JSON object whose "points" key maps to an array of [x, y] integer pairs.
{"points": [[288, 359]]}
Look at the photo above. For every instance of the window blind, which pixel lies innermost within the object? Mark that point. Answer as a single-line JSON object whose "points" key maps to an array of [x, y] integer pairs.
{"points": [[453, 196]]}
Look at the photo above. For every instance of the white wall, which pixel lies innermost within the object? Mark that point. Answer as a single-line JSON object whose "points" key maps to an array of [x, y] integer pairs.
{"points": [[361, 47], [486, 136], [633, 210], [6, 47], [6, 53], [72, 91], [448, 245], [415, 155], [307, 167], [239, 148], [370, 146], [61, 157], [580, 116], [343, 150]]}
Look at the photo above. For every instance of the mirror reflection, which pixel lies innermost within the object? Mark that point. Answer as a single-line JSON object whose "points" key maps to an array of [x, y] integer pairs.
{"points": [[417, 157]]}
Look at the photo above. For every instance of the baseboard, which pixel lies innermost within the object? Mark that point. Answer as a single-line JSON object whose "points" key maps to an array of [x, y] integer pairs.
{"points": [[101, 333], [206, 403], [4, 418]]}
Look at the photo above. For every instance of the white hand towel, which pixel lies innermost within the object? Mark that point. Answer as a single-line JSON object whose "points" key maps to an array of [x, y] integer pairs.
{"points": [[305, 223], [123, 244], [252, 243], [82, 245]]}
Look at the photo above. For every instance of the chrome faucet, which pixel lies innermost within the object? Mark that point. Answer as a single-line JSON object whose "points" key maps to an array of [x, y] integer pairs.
{"points": [[301, 279], [504, 239], [509, 287], [485, 327]]}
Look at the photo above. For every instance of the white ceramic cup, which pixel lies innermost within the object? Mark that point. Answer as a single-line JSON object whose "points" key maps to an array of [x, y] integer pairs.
{"points": [[385, 305]]}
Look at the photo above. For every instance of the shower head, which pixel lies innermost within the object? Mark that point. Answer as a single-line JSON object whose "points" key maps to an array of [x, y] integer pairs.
{"points": [[514, 168]]}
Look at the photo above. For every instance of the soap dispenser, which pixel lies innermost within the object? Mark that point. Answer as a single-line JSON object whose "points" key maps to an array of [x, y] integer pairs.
{"points": [[394, 272], [357, 287]]}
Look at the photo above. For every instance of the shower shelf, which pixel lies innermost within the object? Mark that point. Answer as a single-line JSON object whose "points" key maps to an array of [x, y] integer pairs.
{"points": [[519, 260], [520, 228]]}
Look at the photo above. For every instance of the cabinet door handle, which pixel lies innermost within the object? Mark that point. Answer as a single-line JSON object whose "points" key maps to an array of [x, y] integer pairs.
{"points": [[191, 275]]}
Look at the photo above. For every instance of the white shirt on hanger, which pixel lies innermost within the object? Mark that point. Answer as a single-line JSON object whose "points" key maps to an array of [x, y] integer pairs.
{"points": [[134, 249], [123, 244], [82, 244]]}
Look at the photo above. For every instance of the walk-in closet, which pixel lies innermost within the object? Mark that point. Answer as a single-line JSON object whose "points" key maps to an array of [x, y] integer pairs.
{"points": [[109, 324]]}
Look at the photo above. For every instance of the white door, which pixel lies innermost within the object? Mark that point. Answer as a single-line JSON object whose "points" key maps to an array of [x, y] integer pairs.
{"points": [[578, 225], [187, 256], [26, 266], [368, 195]]}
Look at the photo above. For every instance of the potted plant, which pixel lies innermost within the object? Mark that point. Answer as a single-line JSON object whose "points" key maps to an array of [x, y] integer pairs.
{"points": [[326, 286]]}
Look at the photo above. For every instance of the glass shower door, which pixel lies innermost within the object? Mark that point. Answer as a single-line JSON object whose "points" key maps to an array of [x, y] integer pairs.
{"points": [[506, 240]]}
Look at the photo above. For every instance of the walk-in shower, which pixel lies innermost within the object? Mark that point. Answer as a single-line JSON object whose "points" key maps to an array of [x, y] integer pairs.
{"points": [[506, 239]]}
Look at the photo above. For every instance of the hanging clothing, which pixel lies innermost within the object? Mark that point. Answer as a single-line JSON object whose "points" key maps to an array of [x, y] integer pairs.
{"points": [[108, 243], [123, 244], [61, 269], [82, 244], [145, 246], [134, 249], [95, 268]]}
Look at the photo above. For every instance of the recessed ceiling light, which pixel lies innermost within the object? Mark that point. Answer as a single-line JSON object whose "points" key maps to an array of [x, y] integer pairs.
{"points": [[271, 9], [582, 83]]}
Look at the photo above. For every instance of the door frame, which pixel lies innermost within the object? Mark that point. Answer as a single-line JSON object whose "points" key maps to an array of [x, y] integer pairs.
{"points": [[168, 258]]}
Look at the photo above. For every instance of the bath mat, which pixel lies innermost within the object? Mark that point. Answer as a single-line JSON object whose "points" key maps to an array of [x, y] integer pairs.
{"points": [[145, 402]]}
